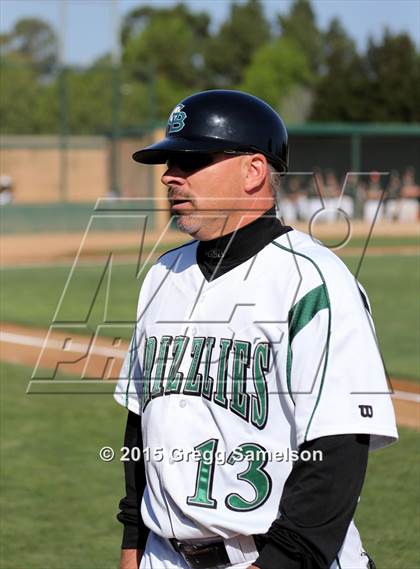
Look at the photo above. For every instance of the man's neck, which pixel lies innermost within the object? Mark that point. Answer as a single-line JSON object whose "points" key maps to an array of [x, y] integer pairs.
{"points": [[217, 256]]}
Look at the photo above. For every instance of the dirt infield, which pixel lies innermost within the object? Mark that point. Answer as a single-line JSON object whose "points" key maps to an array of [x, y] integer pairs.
{"points": [[47, 248], [98, 357], [58, 247]]}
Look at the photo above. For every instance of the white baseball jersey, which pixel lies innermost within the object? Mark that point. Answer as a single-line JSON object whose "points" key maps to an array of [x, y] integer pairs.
{"points": [[232, 375]]}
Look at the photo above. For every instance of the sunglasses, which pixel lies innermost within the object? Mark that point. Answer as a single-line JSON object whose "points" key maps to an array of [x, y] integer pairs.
{"points": [[192, 161]]}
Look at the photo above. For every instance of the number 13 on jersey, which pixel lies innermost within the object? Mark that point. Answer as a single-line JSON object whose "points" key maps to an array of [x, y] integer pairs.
{"points": [[252, 454]]}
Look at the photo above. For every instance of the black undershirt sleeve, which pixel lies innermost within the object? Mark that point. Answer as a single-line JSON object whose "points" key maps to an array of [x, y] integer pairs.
{"points": [[318, 503], [135, 532]]}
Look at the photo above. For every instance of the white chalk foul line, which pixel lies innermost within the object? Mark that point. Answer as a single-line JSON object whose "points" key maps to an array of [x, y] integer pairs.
{"points": [[406, 396], [71, 347], [37, 342]]}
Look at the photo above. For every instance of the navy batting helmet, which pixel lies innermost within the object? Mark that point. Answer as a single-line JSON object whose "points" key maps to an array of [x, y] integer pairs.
{"points": [[220, 120]]}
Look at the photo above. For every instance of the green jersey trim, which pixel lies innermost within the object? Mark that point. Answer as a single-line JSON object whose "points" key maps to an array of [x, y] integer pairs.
{"points": [[303, 317], [299, 316], [304, 310]]}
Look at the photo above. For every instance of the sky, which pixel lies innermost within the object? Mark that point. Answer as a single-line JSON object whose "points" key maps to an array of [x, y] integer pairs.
{"points": [[87, 27]]}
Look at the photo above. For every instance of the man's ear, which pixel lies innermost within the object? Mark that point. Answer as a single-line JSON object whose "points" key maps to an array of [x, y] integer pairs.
{"points": [[256, 172]]}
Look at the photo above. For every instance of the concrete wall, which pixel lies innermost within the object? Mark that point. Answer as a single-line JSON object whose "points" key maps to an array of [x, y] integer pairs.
{"points": [[136, 180], [42, 171]]}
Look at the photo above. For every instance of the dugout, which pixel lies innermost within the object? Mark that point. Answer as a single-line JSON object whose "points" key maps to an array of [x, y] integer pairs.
{"points": [[358, 148]]}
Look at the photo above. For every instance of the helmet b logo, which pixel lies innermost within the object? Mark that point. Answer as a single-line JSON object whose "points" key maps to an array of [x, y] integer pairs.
{"points": [[176, 121]]}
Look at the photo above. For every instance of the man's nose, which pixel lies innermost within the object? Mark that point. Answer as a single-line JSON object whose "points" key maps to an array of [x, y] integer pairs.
{"points": [[173, 176]]}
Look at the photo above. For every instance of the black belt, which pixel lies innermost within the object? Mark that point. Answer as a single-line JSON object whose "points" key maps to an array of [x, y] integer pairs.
{"points": [[208, 555]]}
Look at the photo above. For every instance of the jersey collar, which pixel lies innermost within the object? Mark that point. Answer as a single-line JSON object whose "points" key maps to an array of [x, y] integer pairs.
{"points": [[218, 256]]}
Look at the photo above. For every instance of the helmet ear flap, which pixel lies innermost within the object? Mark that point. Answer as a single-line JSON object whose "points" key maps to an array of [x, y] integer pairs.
{"points": [[222, 120]]}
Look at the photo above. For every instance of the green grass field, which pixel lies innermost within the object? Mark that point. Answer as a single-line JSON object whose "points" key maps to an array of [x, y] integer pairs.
{"points": [[59, 500], [31, 295], [388, 515], [375, 241]]}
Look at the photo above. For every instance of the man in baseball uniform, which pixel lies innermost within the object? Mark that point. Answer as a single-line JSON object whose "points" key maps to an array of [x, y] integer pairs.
{"points": [[253, 383]]}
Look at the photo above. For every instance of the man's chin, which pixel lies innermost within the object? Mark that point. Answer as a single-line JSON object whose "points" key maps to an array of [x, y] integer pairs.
{"points": [[187, 224]]}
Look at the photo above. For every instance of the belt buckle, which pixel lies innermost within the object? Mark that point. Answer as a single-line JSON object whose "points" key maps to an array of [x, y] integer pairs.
{"points": [[201, 555]]}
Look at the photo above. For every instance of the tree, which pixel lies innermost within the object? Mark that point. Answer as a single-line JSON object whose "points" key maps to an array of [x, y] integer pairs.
{"points": [[393, 69], [167, 41], [31, 41], [275, 69], [300, 26], [340, 93], [229, 52], [163, 57], [26, 107], [28, 56], [89, 97], [137, 20], [381, 85]]}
